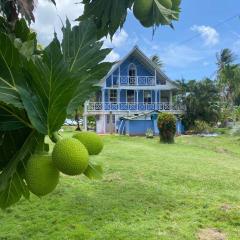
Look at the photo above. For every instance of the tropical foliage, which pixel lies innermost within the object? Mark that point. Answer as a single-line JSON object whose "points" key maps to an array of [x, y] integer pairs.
{"points": [[228, 76], [202, 100], [110, 15], [39, 87], [37, 91], [156, 59], [11, 9]]}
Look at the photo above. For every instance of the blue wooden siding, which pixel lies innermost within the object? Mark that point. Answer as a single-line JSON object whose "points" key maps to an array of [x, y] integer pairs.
{"points": [[124, 67], [141, 69], [140, 127]]}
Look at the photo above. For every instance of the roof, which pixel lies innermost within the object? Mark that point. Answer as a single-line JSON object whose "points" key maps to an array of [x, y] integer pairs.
{"points": [[139, 53], [133, 117]]}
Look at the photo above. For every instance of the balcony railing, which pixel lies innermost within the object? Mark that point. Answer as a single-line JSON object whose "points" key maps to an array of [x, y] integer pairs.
{"points": [[97, 106], [134, 81]]}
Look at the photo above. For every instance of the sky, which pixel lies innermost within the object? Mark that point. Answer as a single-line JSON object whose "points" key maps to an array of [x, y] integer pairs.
{"points": [[189, 51]]}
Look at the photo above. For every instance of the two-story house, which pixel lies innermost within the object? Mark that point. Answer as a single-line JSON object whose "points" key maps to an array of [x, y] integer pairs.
{"points": [[133, 91]]}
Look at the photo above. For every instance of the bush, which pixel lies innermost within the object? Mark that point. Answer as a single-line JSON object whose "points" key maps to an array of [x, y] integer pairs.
{"points": [[167, 127], [202, 127]]}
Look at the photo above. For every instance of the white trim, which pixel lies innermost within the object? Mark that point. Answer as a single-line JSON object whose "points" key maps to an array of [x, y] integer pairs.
{"points": [[146, 59]]}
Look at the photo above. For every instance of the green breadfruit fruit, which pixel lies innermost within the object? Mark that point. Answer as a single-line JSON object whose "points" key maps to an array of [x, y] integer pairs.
{"points": [[166, 3], [149, 22], [142, 9], [70, 156], [91, 141], [42, 176]]}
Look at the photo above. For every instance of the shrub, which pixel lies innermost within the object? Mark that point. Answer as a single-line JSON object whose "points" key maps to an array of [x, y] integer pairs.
{"points": [[202, 127], [167, 127]]}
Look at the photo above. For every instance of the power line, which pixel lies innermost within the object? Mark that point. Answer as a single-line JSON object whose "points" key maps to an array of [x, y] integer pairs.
{"points": [[215, 26]]}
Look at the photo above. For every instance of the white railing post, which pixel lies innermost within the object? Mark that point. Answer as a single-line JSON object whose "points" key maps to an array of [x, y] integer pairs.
{"points": [[155, 77], [170, 102]]}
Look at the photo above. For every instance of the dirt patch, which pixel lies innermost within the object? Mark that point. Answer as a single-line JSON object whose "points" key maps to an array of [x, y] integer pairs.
{"points": [[226, 207], [221, 150], [113, 177], [211, 234]]}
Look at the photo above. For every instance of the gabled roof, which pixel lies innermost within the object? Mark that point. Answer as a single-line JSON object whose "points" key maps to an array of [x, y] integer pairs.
{"points": [[144, 58]]}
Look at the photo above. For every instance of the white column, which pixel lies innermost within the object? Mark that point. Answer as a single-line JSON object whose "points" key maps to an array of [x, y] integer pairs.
{"points": [[85, 122], [160, 96], [155, 94], [104, 123], [103, 96], [170, 99], [137, 98], [155, 77], [118, 95], [119, 75]]}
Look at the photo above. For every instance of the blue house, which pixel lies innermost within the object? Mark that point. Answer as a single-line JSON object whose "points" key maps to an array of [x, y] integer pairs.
{"points": [[131, 95]]}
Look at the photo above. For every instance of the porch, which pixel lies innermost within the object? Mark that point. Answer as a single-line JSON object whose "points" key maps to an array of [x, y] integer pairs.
{"points": [[109, 106]]}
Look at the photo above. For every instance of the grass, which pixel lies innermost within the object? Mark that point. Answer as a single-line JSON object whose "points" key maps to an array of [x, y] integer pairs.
{"points": [[149, 191]]}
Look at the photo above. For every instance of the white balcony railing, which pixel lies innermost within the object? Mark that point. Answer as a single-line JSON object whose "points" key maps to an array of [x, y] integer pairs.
{"points": [[133, 81], [168, 107]]}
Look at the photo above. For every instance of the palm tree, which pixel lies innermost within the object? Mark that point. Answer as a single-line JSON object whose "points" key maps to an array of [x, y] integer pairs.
{"points": [[156, 59], [228, 75], [224, 58]]}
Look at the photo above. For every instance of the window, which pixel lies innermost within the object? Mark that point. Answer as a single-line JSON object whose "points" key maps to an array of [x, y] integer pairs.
{"points": [[132, 72], [130, 96], [147, 96], [113, 96]]}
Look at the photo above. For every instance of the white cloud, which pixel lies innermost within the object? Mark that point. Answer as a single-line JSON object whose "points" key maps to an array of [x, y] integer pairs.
{"points": [[205, 63], [112, 57], [208, 34], [179, 56], [49, 17], [119, 39]]}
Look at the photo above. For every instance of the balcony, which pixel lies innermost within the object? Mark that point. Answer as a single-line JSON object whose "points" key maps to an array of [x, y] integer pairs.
{"points": [[164, 107], [133, 81]]}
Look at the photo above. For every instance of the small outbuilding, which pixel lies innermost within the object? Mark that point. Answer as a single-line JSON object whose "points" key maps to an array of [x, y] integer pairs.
{"points": [[139, 124]]}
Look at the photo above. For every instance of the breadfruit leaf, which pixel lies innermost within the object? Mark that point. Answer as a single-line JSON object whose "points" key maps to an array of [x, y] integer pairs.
{"points": [[108, 15], [84, 54], [16, 147], [61, 75], [10, 72], [47, 89], [94, 171], [12, 118], [12, 193]]}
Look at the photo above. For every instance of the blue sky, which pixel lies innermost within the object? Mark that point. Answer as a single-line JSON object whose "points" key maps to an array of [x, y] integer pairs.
{"points": [[200, 21]]}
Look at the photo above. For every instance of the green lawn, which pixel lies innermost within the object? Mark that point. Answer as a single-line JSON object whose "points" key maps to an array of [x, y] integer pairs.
{"points": [[149, 191]]}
